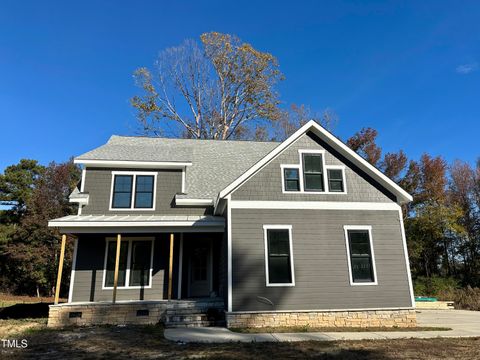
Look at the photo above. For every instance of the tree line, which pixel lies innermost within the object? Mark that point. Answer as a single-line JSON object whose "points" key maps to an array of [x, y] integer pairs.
{"points": [[33, 194]]}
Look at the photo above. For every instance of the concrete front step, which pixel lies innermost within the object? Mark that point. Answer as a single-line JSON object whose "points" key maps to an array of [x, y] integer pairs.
{"points": [[195, 313], [182, 324], [191, 311]]}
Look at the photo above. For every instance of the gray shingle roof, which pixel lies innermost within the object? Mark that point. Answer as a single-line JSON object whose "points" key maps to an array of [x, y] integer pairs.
{"points": [[215, 164]]}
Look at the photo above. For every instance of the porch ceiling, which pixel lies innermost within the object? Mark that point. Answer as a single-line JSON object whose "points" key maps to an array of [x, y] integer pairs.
{"points": [[150, 222]]}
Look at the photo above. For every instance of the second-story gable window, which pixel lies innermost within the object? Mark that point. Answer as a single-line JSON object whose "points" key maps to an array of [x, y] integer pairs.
{"points": [[335, 180], [291, 179], [313, 172], [132, 191]]}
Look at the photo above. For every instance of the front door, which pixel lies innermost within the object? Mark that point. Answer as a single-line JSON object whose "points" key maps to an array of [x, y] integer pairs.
{"points": [[199, 273]]}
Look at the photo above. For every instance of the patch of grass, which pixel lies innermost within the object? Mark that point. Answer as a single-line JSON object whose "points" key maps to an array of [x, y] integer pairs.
{"points": [[297, 329], [12, 327], [9, 299]]}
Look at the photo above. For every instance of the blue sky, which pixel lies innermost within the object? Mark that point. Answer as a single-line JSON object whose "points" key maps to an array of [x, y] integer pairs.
{"points": [[409, 69]]}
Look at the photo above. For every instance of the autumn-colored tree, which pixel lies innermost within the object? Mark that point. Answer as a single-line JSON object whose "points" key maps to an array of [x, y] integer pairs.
{"points": [[363, 142], [393, 165], [212, 91], [463, 185], [28, 257], [434, 223]]}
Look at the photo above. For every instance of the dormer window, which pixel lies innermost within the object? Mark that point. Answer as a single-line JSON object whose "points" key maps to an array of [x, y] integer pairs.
{"points": [[133, 191]]}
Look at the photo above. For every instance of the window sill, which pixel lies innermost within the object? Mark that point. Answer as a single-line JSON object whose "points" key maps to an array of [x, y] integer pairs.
{"points": [[131, 209], [127, 287], [281, 285], [364, 284], [316, 192]]}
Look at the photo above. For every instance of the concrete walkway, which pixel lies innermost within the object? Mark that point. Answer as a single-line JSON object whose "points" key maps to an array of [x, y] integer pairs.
{"points": [[463, 324]]}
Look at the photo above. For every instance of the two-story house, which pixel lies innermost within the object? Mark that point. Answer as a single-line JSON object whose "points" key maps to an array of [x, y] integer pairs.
{"points": [[302, 232]]}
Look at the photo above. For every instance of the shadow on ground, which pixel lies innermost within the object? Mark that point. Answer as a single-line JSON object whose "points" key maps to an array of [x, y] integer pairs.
{"points": [[24, 311]]}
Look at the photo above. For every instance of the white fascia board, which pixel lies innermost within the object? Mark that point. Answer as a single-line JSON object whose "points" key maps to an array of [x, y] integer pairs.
{"points": [[133, 223], [133, 164], [262, 162], [81, 201], [335, 143], [313, 205], [194, 202], [361, 162]]}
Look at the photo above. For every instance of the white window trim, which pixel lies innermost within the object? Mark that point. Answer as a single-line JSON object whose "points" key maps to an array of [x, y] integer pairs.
{"points": [[292, 267], [286, 166], [299, 166], [184, 170], [127, 270], [132, 200], [347, 245], [72, 274], [336, 167], [301, 152]]}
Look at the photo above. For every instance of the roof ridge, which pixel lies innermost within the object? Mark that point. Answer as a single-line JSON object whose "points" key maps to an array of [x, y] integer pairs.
{"points": [[114, 137]]}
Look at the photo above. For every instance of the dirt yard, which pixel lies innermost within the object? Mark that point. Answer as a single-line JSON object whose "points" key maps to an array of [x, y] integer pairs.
{"points": [[148, 343]]}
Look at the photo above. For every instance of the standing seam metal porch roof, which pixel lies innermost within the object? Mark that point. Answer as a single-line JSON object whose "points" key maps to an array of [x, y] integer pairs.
{"points": [[215, 163]]}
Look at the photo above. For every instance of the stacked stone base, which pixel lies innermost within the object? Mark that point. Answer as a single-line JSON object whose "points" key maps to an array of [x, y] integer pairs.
{"points": [[370, 318], [105, 314], [130, 313]]}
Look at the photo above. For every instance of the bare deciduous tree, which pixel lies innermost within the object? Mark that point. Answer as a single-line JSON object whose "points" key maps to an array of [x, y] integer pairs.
{"points": [[299, 115], [211, 92]]}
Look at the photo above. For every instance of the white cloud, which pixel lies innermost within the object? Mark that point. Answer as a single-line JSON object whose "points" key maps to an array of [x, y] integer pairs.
{"points": [[467, 68]]}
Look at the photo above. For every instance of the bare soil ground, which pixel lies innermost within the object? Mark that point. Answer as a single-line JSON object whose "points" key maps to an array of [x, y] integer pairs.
{"points": [[147, 342]]}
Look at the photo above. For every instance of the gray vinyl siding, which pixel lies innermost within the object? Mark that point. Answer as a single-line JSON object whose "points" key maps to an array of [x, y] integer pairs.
{"points": [[320, 261], [89, 269], [98, 183], [267, 183]]}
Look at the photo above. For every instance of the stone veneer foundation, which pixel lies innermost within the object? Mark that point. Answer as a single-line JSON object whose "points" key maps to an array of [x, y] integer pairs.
{"points": [[364, 318], [122, 313]]}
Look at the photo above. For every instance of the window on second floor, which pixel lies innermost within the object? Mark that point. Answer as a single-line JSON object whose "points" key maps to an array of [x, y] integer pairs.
{"points": [[133, 191], [313, 172], [335, 180], [291, 178]]}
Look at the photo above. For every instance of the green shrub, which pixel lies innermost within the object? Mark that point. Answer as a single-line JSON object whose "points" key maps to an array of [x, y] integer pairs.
{"points": [[434, 286], [448, 289], [467, 298]]}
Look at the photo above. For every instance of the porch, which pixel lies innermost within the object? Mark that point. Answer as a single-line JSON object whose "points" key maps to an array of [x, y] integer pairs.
{"points": [[160, 267]]}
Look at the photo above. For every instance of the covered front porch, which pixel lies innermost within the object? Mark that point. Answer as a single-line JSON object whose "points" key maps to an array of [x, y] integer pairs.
{"points": [[156, 265]]}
